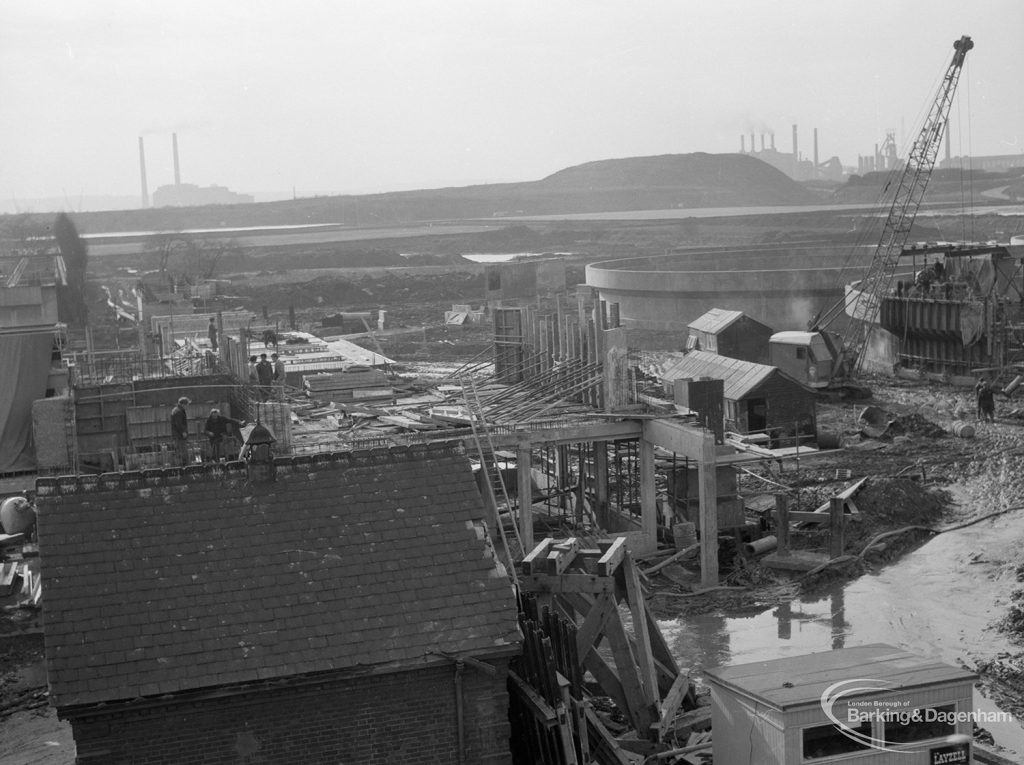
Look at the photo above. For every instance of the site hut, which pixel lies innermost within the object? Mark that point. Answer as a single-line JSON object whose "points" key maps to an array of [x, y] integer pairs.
{"points": [[804, 356], [898, 708], [759, 399], [730, 333]]}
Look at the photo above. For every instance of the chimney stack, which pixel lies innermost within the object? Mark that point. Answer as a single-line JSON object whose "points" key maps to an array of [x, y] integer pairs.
{"points": [[762, 141], [753, 146], [142, 172], [743, 144], [773, 141], [796, 154], [177, 172]]}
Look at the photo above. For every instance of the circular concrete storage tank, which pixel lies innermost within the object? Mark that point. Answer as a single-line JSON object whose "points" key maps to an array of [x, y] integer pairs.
{"points": [[781, 286]]}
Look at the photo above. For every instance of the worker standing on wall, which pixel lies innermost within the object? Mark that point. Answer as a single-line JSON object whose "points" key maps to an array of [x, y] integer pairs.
{"points": [[212, 334], [216, 428], [279, 376], [265, 375], [179, 430]]}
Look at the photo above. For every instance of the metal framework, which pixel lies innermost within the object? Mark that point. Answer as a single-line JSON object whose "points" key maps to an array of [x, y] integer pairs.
{"points": [[913, 182]]}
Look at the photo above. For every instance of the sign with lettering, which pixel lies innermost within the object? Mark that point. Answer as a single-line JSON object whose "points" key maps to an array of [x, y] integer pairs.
{"points": [[952, 754]]}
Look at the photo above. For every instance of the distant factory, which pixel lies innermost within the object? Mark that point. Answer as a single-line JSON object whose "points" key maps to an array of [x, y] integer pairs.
{"points": [[794, 165], [181, 194], [885, 158]]}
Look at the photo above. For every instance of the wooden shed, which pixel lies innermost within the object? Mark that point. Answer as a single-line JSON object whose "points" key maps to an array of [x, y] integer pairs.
{"points": [[758, 398], [891, 706], [730, 333]]}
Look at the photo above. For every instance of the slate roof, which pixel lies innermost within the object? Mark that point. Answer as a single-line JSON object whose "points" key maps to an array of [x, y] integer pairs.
{"points": [[181, 579], [741, 377]]}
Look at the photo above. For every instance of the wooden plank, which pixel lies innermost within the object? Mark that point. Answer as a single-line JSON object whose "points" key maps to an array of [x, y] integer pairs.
{"points": [[540, 709], [536, 556], [611, 744], [641, 629], [670, 704], [612, 557], [662, 653], [545, 583], [561, 555], [639, 709], [835, 536], [588, 635]]}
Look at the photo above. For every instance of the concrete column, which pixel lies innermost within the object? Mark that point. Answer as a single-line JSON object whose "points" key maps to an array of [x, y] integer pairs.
{"points": [[525, 492], [601, 483], [648, 495]]}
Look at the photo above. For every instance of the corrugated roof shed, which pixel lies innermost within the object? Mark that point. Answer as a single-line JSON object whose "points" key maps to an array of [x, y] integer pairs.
{"points": [[715, 320], [740, 377], [174, 580]]}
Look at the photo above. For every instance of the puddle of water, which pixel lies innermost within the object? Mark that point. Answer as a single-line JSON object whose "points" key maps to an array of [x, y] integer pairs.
{"points": [[934, 602]]}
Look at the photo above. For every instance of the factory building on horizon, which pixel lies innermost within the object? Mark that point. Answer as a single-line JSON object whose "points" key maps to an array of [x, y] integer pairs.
{"points": [[181, 194]]}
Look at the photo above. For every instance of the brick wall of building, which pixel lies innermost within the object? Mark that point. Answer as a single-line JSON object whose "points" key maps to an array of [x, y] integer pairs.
{"points": [[406, 718]]}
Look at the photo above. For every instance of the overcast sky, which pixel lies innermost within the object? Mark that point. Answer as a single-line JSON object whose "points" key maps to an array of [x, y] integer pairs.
{"points": [[339, 96]]}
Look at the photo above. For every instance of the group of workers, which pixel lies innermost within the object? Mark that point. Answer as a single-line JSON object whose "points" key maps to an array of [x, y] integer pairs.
{"points": [[217, 428], [268, 375]]}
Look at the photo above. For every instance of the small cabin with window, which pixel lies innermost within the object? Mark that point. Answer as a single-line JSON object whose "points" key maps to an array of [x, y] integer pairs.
{"points": [[730, 333], [866, 705], [759, 399], [804, 356]]}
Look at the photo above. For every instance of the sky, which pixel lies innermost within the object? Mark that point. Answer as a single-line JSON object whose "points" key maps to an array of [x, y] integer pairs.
{"points": [[346, 96]]}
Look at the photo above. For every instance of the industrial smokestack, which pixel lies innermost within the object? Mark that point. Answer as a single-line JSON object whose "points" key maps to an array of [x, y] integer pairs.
{"points": [[142, 173], [815, 148], [753, 146], [177, 171], [773, 141], [796, 154], [762, 141], [743, 144]]}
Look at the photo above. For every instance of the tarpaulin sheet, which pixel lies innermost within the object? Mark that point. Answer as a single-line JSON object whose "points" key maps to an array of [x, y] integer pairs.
{"points": [[24, 369]]}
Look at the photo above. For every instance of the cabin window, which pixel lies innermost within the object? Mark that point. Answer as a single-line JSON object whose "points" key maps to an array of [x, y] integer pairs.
{"points": [[821, 741], [921, 724], [801, 353]]}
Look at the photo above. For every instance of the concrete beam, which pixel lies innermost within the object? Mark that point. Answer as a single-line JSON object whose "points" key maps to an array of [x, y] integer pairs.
{"points": [[698, 445], [570, 434]]}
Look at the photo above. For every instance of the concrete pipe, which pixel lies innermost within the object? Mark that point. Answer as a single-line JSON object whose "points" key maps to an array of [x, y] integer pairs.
{"points": [[760, 546]]}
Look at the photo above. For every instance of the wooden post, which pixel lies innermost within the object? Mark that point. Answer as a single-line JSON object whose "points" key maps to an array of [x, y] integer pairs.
{"points": [[782, 525], [835, 542], [708, 495], [525, 492]]}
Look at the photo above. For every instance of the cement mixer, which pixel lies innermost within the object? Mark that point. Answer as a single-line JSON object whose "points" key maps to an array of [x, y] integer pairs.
{"points": [[17, 516]]}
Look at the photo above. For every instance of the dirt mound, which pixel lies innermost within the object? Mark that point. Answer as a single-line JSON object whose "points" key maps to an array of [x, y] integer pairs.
{"points": [[916, 425]]}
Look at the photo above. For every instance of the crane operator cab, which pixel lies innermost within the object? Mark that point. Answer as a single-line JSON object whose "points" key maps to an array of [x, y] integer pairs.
{"points": [[805, 356]]}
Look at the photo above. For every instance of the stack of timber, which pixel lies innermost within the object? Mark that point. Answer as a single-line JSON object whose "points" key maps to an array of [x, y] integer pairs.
{"points": [[570, 598], [355, 384]]}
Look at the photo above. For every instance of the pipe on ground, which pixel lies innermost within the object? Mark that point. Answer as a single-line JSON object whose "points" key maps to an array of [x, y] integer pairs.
{"points": [[762, 545]]}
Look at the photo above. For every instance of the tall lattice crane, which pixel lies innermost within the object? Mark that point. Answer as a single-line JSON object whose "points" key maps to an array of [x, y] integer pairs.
{"points": [[909, 193]]}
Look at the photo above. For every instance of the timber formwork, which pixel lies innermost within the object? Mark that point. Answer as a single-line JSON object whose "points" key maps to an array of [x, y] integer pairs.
{"points": [[572, 601]]}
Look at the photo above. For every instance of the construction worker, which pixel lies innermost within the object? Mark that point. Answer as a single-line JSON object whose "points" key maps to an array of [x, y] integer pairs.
{"points": [[986, 401], [265, 376], [179, 430], [216, 429], [212, 334], [279, 376]]}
